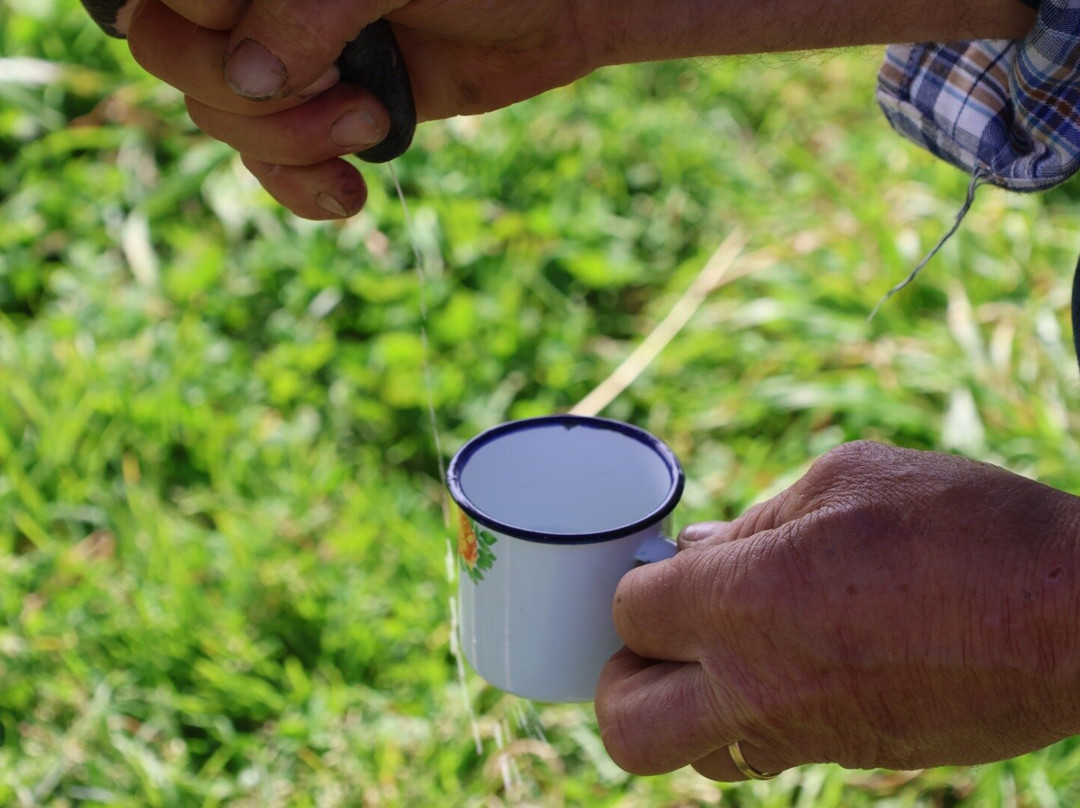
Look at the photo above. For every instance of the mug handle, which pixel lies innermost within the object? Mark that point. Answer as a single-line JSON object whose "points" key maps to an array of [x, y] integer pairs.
{"points": [[657, 548]]}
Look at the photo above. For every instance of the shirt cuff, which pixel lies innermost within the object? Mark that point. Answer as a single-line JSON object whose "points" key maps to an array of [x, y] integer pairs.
{"points": [[1005, 111]]}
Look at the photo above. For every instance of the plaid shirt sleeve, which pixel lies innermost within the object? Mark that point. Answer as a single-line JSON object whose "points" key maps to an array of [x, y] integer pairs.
{"points": [[1004, 111]]}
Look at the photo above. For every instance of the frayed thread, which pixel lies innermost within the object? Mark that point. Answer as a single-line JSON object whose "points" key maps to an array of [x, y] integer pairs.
{"points": [[977, 179]]}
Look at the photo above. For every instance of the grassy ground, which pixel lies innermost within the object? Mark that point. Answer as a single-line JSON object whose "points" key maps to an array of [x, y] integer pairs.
{"points": [[221, 541]]}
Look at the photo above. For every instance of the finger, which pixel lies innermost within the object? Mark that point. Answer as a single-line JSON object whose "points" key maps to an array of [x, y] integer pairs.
{"points": [[342, 120], [789, 505], [656, 717], [278, 48], [684, 608], [189, 58], [720, 765], [332, 189], [654, 611], [220, 15], [705, 532]]}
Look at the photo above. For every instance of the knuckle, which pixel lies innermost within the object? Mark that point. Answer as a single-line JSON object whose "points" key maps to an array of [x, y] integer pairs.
{"points": [[856, 478], [308, 29], [849, 458]]}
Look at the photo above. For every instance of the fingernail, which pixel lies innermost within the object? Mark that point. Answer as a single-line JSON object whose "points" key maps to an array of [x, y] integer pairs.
{"points": [[254, 72], [700, 531], [331, 205], [321, 84], [356, 129]]}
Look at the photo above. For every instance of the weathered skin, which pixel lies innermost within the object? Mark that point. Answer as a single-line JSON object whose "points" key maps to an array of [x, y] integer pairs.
{"points": [[372, 61]]}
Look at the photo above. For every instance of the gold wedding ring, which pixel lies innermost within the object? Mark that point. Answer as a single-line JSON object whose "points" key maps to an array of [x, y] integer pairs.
{"points": [[745, 768]]}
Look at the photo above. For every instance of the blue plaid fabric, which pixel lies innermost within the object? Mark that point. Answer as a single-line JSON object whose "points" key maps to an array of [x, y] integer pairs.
{"points": [[1004, 111]]}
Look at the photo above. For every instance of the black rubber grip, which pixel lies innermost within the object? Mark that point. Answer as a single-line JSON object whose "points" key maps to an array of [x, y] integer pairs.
{"points": [[374, 62], [104, 12]]}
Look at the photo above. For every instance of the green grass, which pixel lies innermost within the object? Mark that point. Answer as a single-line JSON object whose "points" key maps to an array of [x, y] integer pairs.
{"points": [[221, 541]]}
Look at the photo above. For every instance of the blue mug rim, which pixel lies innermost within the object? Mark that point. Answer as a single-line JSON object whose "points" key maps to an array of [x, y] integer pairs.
{"points": [[461, 458]]}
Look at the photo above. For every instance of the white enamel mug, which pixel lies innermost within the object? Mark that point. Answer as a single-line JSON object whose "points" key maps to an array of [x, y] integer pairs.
{"points": [[554, 511]]}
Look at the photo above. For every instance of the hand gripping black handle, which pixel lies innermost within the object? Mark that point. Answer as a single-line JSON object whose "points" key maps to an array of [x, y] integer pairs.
{"points": [[373, 61]]}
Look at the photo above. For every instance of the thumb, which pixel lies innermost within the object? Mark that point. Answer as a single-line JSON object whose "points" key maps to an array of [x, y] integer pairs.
{"points": [[787, 506], [279, 48], [700, 533]]}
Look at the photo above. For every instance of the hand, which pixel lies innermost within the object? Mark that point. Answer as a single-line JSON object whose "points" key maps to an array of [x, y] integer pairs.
{"points": [[892, 608], [260, 75]]}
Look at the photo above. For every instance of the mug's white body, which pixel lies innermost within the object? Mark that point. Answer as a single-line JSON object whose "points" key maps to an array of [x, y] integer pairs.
{"points": [[554, 511], [539, 623]]}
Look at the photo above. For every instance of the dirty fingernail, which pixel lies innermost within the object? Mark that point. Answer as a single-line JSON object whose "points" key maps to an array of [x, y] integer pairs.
{"points": [[356, 129], [331, 205], [254, 72]]}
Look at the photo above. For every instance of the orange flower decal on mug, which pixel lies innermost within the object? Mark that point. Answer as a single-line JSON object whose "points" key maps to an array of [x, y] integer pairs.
{"points": [[466, 541], [474, 548]]}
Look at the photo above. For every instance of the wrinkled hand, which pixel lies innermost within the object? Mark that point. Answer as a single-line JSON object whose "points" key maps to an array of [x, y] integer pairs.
{"points": [[260, 76], [892, 608]]}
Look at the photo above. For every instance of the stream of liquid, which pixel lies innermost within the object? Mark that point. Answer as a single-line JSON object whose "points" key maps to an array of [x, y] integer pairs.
{"points": [[524, 715]]}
